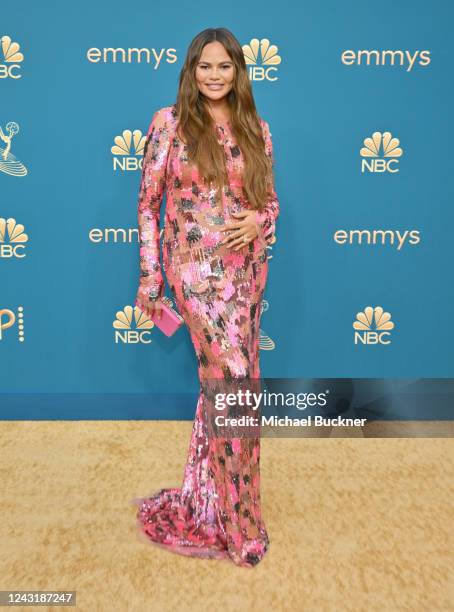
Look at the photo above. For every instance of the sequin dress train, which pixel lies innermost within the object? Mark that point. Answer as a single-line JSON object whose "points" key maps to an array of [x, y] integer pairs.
{"points": [[218, 291]]}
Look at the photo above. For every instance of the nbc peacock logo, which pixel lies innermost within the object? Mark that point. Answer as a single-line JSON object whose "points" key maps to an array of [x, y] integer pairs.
{"points": [[132, 326], [261, 58], [10, 59], [380, 153], [373, 326], [128, 150], [9, 164], [12, 239]]}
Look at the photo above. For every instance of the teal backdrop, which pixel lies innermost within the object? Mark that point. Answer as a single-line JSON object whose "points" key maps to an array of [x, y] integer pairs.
{"points": [[62, 287]]}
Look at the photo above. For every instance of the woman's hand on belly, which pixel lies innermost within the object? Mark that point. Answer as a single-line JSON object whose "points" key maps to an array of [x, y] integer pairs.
{"points": [[242, 231]]}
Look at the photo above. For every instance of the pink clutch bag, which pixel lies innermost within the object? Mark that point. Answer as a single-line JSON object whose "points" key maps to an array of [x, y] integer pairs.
{"points": [[170, 319]]}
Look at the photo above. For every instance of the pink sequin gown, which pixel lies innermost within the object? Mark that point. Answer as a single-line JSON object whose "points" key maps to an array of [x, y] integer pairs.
{"points": [[218, 291]]}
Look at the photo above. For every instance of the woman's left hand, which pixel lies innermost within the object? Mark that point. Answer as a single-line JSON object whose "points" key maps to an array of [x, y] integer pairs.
{"points": [[244, 231]]}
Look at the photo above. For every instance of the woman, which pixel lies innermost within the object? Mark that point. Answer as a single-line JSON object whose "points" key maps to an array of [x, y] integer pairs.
{"points": [[220, 217]]}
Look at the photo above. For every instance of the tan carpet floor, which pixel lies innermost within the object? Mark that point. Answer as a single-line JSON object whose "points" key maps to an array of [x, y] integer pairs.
{"points": [[354, 523]]}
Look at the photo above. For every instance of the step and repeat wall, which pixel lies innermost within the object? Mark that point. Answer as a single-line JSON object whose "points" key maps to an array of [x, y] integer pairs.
{"points": [[359, 100]]}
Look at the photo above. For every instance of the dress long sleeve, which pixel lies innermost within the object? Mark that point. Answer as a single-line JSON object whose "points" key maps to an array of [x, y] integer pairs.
{"points": [[216, 512], [151, 191], [266, 219]]}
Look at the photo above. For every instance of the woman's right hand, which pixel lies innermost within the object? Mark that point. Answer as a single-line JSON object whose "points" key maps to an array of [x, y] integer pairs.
{"points": [[147, 306]]}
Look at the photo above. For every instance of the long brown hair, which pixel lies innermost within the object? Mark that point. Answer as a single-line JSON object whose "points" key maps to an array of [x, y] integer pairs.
{"points": [[197, 127]]}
